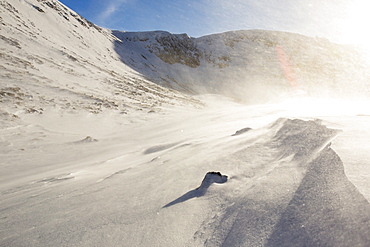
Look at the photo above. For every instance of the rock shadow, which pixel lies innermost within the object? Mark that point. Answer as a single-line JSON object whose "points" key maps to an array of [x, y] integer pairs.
{"points": [[209, 179]]}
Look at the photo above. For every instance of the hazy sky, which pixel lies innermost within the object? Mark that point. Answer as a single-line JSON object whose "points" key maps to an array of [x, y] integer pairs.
{"points": [[343, 21]]}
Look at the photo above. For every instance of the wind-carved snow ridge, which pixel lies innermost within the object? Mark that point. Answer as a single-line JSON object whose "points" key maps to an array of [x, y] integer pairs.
{"points": [[159, 148], [302, 138], [60, 178], [326, 209], [299, 195]]}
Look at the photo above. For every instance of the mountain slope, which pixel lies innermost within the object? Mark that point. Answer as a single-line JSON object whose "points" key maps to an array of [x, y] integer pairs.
{"points": [[47, 42], [242, 64], [52, 57]]}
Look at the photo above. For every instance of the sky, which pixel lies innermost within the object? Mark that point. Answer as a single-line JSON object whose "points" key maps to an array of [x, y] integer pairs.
{"points": [[340, 21]]}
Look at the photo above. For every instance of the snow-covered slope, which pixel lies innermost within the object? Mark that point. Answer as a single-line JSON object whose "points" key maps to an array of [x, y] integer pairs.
{"points": [[54, 46], [93, 153], [241, 64], [68, 63]]}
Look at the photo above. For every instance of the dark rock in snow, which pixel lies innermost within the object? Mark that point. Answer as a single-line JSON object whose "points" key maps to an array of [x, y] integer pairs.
{"points": [[242, 131], [87, 139], [209, 178], [38, 9], [212, 177]]}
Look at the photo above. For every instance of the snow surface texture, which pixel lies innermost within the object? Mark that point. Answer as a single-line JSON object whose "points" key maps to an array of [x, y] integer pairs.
{"points": [[95, 151]]}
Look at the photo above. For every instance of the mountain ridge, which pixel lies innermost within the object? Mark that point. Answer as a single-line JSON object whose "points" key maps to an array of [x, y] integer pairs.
{"points": [[237, 64]]}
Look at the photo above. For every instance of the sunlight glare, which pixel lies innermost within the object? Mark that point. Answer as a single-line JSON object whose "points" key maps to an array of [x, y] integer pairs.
{"points": [[354, 30], [317, 107]]}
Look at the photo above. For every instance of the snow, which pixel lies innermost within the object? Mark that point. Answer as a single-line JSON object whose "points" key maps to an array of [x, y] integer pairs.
{"points": [[94, 153], [136, 185]]}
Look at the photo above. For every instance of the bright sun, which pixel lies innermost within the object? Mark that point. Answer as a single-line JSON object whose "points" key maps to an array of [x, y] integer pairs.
{"points": [[356, 24]]}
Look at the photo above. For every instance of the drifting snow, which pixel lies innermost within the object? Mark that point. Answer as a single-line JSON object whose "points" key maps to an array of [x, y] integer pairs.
{"points": [[93, 153], [285, 185]]}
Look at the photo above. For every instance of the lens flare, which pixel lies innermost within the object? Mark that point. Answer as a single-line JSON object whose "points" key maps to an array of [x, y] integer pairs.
{"points": [[287, 68]]}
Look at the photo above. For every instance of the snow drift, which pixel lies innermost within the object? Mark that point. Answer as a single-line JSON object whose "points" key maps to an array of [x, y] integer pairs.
{"points": [[276, 193], [98, 149], [299, 196]]}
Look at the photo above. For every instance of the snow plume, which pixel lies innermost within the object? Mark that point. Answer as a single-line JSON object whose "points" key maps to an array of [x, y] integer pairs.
{"points": [[243, 64], [111, 8], [95, 154]]}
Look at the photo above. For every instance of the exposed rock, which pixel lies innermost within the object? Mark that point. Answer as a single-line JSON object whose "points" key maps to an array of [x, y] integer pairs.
{"points": [[178, 49], [242, 131], [210, 178]]}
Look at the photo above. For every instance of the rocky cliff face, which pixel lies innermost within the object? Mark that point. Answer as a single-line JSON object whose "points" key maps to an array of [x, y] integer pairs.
{"points": [[177, 49], [236, 63], [170, 48]]}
